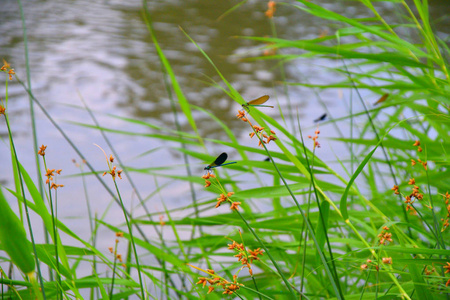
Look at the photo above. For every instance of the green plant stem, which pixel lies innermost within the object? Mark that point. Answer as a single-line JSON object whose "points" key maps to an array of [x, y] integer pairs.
{"points": [[55, 234], [33, 118], [438, 234], [130, 231], [185, 159], [304, 171], [32, 115], [114, 272], [322, 217], [375, 131], [27, 213], [272, 259], [125, 170], [130, 179], [91, 225], [305, 218], [55, 239]]}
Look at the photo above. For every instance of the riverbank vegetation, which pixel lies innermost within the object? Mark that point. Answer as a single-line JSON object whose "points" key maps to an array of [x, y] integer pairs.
{"points": [[369, 223]]}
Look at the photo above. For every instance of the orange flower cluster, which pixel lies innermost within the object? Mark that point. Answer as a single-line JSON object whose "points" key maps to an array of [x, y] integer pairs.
{"points": [[384, 260], [424, 163], [415, 193], [246, 257], [316, 136], [413, 162], [410, 198], [7, 67], [365, 266], [214, 280], [2, 110], [387, 260], [447, 268], [417, 144], [241, 115], [11, 73], [112, 251], [395, 189], [49, 174], [262, 135], [206, 177], [433, 271], [257, 130], [271, 9], [429, 272], [270, 51], [41, 151], [223, 198], [161, 222], [83, 161], [235, 205], [445, 221], [55, 186], [385, 236], [113, 172]]}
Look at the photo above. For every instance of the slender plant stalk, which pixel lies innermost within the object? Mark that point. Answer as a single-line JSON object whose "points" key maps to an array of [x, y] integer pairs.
{"points": [[130, 231], [27, 214]]}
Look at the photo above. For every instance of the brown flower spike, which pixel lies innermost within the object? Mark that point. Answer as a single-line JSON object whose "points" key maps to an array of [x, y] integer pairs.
{"points": [[7, 68], [257, 130], [41, 151], [395, 189], [246, 258], [315, 138], [216, 281], [271, 9], [49, 175], [385, 236], [447, 268], [387, 260]]}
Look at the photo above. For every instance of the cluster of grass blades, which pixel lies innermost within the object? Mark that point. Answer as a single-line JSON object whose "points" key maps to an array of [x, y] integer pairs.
{"points": [[379, 231]]}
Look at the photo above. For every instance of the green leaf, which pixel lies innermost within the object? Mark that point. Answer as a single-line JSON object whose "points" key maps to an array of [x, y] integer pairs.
{"points": [[13, 238]]}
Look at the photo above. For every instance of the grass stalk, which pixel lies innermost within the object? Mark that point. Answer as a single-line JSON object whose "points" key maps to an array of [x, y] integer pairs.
{"points": [[27, 214]]}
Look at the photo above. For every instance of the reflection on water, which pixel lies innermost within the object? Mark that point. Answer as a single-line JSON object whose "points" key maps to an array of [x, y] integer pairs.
{"points": [[102, 50]]}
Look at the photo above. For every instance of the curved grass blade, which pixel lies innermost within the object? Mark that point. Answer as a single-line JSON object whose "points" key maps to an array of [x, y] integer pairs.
{"points": [[184, 104], [13, 238], [343, 202]]}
